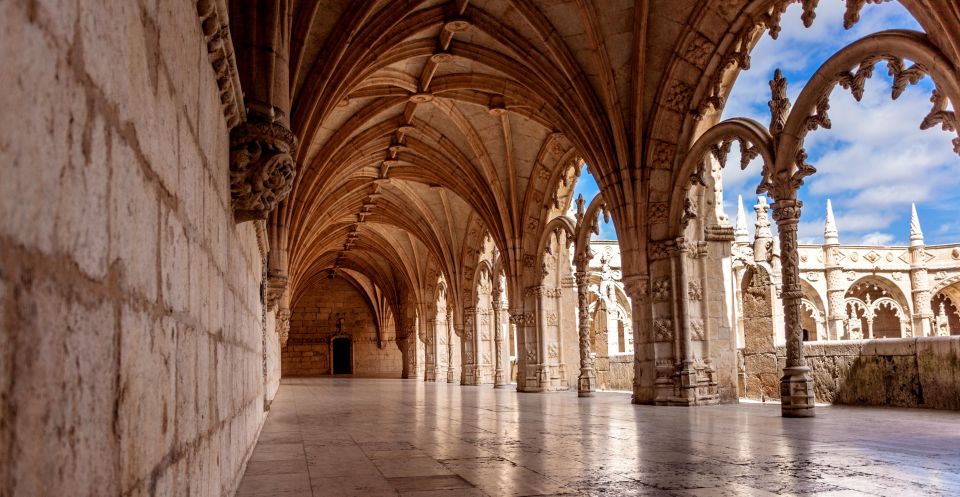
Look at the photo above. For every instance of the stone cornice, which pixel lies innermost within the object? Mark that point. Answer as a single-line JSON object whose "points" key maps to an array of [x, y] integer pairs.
{"points": [[216, 34]]}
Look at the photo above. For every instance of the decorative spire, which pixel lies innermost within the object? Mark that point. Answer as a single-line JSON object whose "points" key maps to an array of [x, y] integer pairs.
{"points": [[916, 234], [762, 235], [740, 233], [762, 225], [830, 234]]}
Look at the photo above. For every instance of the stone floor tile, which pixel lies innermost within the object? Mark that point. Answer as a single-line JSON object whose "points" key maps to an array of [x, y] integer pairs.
{"points": [[277, 451], [353, 486], [272, 484], [390, 437], [279, 467]]}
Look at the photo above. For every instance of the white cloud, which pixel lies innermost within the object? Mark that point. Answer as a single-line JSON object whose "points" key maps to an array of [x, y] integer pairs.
{"points": [[877, 238]]}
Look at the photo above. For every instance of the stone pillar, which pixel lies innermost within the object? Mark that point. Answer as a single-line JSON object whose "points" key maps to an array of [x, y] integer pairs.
{"points": [[430, 355], [499, 381], [585, 383], [262, 168], [919, 283], [543, 369], [644, 372], [450, 346], [836, 312], [796, 385], [468, 340], [688, 373]]}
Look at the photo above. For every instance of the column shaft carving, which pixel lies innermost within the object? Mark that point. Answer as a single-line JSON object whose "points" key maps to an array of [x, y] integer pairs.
{"points": [[450, 335], [796, 385], [585, 383], [498, 379], [688, 373]]}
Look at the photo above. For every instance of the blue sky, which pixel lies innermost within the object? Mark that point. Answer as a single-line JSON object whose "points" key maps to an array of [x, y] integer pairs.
{"points": [[874, 161], [587, 186]]}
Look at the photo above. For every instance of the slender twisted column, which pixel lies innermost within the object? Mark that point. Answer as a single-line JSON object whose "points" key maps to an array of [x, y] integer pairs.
{"points": [[688, 373], [450, 346], [796, 385], [498, 378], [585, 385]]}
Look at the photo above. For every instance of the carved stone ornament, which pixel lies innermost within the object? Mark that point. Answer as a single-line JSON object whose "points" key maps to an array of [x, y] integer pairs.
{"points": [[661, 289], [663, 329], [262, 168], [276, 286], [695, 290], [283, 326], [697, 330]]}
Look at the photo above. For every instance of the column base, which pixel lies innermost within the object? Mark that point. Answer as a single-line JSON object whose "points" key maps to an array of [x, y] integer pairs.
{"points": [[586, 383], [498, 379], [796, 393]]}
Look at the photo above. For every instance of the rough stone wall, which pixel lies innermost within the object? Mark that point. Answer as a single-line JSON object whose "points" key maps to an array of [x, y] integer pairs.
{"points": [[761, 376], [620, 374], [313, 321], [902, 372], [130, 316]]}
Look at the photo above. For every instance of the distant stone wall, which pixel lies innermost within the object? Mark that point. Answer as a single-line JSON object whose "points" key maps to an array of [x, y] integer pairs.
{"points": [[617, 373], [131, 337], [313, 321], [900, 372]]}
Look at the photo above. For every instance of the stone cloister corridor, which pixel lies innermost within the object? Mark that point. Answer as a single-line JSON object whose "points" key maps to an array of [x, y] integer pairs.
{"points": [[473, 247]]}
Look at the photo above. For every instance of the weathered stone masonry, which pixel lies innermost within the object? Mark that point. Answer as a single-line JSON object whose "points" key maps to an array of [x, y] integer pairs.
{"points": [[129, 309]]}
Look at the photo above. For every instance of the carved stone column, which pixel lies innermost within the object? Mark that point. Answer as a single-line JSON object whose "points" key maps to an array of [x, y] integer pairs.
{"points": [[796, 385], [688, 373], [262, 167], [586, 381], [450, 334], [498, 379], [430, 355], [637, 287], [468, 346]]}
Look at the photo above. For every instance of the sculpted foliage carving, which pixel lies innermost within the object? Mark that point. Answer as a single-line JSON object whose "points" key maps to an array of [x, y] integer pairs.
{"points": [[663, 329], [261, 168]]}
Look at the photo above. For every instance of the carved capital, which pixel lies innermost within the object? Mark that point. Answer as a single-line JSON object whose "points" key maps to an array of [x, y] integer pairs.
{"points": [[261, 168], [283, 326], [787, 211], [276, 287]]}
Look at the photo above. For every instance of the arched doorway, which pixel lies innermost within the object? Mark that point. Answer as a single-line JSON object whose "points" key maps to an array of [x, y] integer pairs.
{"points": [[342, 355]]}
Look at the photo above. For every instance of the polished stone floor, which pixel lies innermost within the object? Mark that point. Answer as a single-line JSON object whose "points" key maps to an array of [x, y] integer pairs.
{"points": [[371, 437]]}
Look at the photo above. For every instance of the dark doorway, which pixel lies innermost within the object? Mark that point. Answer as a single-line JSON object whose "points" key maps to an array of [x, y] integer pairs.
{"points": [[342, 356]]}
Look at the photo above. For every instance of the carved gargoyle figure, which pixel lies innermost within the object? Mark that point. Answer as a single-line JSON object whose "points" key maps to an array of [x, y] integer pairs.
{"points": [[262, 168]]}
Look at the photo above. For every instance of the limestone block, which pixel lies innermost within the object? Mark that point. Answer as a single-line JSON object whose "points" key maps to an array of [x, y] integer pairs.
{"points": [[189, 389], [174, 263], [134, 215], [81, 218], [890, 347], [938, 364], [156, 131], [33, 59], [116, 57], [147, 395]]}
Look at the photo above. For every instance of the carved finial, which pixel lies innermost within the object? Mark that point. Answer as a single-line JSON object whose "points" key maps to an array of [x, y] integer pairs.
{"points": [[831, 236], [740, 234], [779, 103], [916, 234], [580, 208]]}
